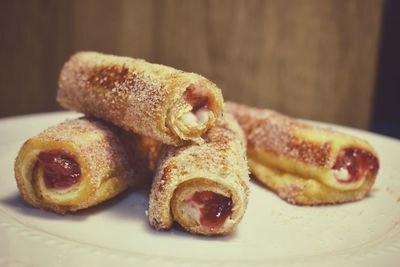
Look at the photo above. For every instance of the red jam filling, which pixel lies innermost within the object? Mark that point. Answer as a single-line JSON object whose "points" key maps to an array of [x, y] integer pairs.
{"points": [[357, 162], [196, 99], [60, 169], [215, 208]]}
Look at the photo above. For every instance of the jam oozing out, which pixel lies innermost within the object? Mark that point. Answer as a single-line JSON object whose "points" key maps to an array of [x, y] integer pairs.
{"points": [[215, 208], [60, 169], [357, 162], [196, 99]]}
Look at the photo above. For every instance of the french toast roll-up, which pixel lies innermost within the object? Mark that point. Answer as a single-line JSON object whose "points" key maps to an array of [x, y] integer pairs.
{"points": [[202, 187], [305, 164], [80, 163], [158, 101]]}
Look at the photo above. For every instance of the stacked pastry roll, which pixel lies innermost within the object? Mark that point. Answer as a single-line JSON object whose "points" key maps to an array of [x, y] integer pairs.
{"points": [[202, 187], [305, 164], [166, 104], [80, 163]]}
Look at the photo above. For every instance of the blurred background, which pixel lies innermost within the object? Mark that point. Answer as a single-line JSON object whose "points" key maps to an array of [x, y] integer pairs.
{"points": [[334, 60]]}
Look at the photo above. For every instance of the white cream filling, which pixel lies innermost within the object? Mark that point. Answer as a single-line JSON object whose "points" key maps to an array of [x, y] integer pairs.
{"points": [[191, 119], [342, 174], [192, 211], [202, 115]]}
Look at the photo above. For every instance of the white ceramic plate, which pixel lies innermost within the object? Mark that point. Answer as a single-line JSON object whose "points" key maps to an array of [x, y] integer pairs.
{"points": [[365, 233]]}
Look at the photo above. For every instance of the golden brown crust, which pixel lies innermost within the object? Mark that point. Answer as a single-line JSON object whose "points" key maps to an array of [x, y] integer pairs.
{"points": [[301, 191], [136, 95], [268, 130], [296, 160], [219, 165], [100, 150]]}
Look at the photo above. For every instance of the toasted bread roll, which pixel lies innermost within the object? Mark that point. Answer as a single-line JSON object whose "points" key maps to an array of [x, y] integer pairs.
{"points": [[305, 164], [166, 104], [202, 187], [80, 163]]}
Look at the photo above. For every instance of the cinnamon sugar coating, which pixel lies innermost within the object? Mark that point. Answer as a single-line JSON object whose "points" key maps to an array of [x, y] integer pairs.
{"points": [[136, 95], [297, 160], [269, 130], [218, 165], [105, 156]]}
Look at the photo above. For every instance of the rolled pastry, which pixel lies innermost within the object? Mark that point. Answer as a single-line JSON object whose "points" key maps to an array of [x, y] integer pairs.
{"points": [[80, 163], [305, 164], [161, 102], [202, 187]]}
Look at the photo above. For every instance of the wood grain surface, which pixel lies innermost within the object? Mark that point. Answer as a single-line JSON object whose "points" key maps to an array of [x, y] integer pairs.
{"points": [[306, 58]]}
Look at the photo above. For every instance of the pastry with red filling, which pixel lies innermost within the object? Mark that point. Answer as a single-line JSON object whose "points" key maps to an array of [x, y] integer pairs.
{"points": [[305, 164], [202, 187], [168, 105], [80, 163]]}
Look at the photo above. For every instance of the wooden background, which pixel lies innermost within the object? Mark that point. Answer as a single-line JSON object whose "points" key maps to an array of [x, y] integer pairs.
{"points": [[307, 58]]}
